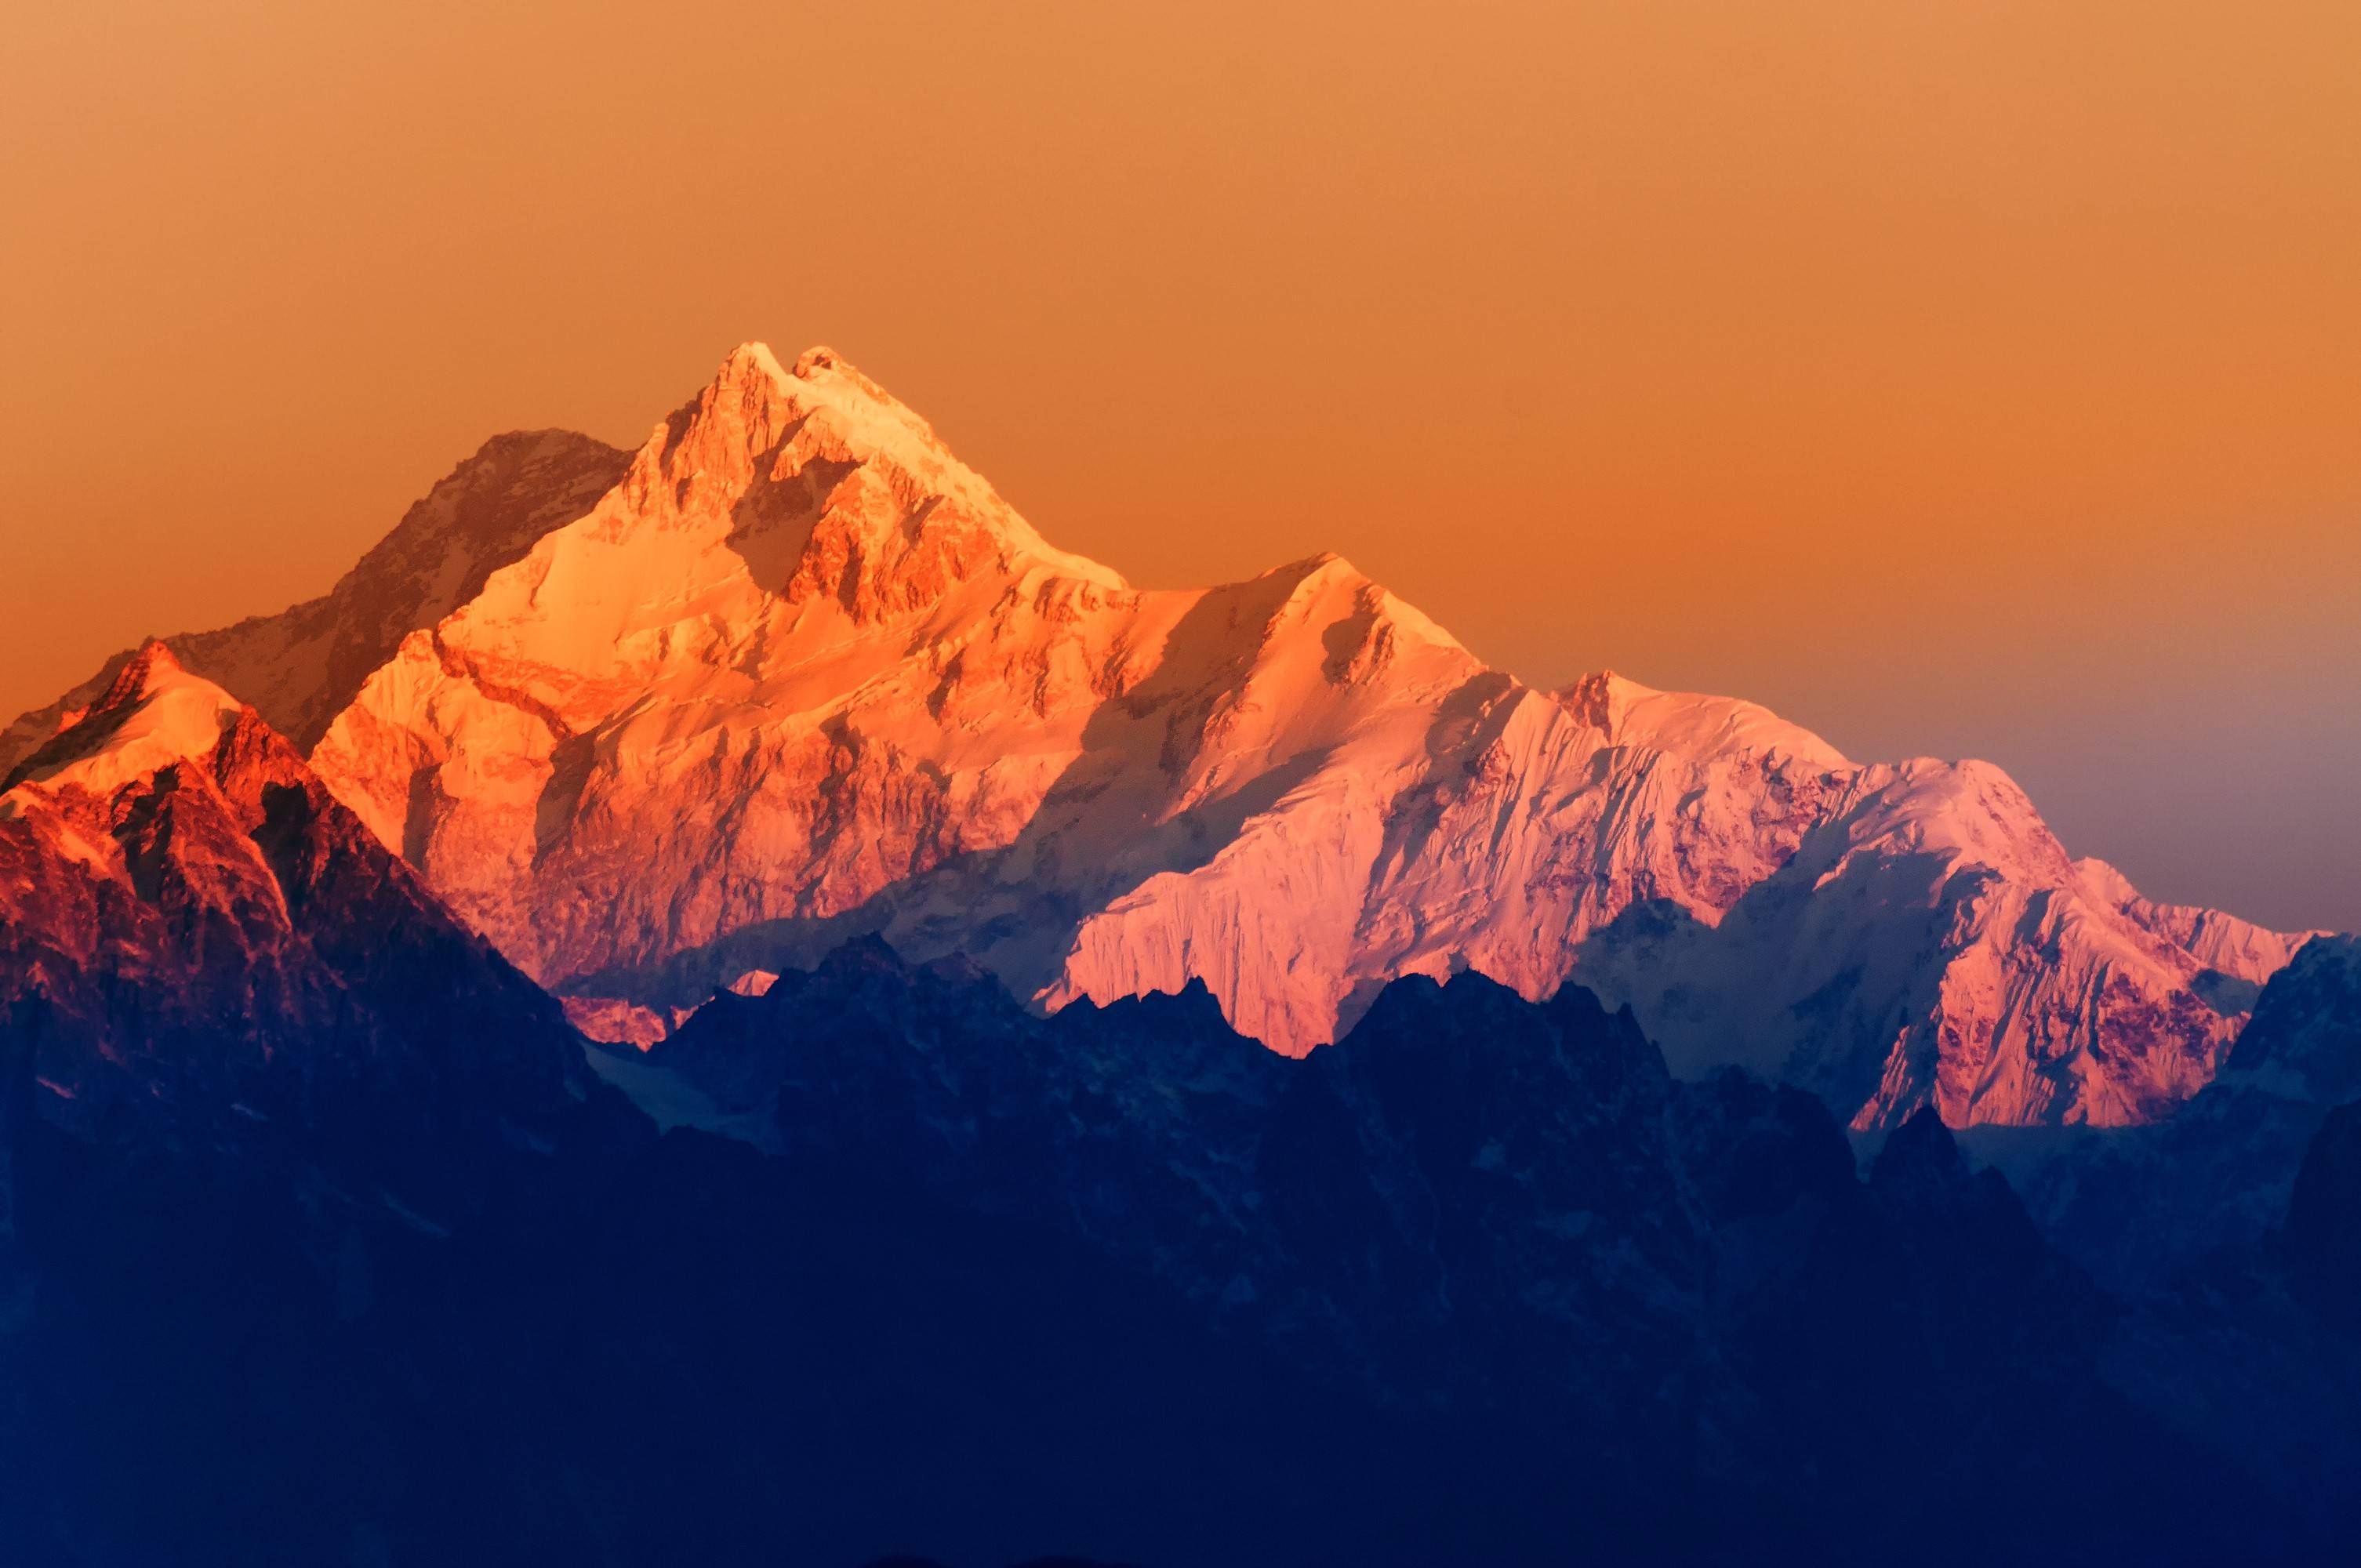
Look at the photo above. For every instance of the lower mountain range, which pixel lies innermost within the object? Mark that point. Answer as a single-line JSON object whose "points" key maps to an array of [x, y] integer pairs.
{"points": [[730, 1003]]}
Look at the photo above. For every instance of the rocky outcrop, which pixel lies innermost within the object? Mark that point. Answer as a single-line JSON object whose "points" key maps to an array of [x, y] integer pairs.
{"points": [[201, 947]]}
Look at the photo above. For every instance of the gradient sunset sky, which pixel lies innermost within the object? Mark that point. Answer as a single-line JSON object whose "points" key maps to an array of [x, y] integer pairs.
{"points": [[1974, 379]]}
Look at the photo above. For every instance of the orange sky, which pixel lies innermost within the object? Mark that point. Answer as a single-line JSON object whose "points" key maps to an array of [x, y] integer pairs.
{"points": [[1971, 378]]}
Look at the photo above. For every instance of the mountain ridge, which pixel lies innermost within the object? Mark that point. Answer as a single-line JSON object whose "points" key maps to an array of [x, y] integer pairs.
{"points": [[202, 948], [798, 673], [303, 1177], [299, 665]]}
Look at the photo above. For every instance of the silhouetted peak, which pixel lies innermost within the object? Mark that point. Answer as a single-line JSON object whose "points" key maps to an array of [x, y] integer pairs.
{"points": [[1920, 1154], [1192, 1011], [153, 713], [2304, 1041], [1413, 999], [867, 954]]}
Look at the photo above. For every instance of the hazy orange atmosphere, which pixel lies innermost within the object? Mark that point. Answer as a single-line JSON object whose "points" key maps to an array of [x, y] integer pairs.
{"points": [[1966, 380]]}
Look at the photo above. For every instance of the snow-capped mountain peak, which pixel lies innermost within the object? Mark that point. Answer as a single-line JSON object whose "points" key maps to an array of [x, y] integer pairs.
{"points": [[796, 673], [154, 714], [820, 470]]}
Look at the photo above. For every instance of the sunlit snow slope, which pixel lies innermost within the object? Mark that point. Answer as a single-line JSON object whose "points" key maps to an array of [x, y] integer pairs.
{"points": [[799, 674]]}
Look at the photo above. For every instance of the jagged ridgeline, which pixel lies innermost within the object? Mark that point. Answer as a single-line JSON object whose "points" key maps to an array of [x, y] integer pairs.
{"points": [[1209, 1077], [1483, 1282], [662, 722]]}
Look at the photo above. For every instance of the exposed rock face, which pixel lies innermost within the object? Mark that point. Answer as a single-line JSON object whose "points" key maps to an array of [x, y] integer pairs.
{"points": [[299, 667], [201, 947], [2138, 1205], [801, 675], [2239, 956]]}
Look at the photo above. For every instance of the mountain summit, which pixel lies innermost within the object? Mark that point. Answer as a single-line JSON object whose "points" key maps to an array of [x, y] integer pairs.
{"points": [[796, 673], [201, 947], [152, 714]]}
